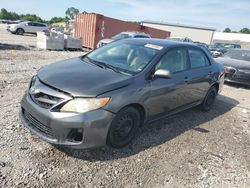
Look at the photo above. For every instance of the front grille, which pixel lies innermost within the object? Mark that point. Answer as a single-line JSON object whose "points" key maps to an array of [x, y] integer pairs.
{"points": [[45, 100], [37, 125], [242, 75]]}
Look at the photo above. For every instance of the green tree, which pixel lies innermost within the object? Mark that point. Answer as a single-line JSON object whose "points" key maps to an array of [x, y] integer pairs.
{"points": [[70, 13], [227, 30], [13, 16], [31, 17], [56, 20], [245, 30], [4, 14]]}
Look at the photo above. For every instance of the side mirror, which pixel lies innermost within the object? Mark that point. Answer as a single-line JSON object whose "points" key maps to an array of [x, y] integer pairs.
{"points": [[161, 73]]}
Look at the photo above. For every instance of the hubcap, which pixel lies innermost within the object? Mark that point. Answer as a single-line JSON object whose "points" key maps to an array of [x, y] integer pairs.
{"points": [[124, 127]]}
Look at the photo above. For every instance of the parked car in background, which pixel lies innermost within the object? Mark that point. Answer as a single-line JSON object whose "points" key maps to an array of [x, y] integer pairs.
{"points": [[181, 39], [27, 27], [204, 46], [237, 66], [10, 21], [218, 49], [123, 35], [105, 96]]}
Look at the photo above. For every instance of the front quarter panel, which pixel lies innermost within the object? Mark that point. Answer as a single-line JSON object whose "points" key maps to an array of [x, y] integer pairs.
{"points": [[135, 93]]}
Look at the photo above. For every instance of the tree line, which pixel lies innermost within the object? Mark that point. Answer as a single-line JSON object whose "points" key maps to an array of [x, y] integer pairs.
{"points": [[69, 15], [9, 15], [243, 30]]}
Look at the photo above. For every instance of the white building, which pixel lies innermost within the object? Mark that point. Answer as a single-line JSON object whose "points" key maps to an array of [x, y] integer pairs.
{"points": [[199, 34], [232, 37]]}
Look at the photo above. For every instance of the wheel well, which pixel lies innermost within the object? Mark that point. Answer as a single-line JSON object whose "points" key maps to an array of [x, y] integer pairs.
{"points": [[216, 85], [140, 109], [20, 28]]}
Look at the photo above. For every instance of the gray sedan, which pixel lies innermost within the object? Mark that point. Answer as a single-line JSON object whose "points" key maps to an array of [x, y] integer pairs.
{"points": [[104, 97], [237, 66]]}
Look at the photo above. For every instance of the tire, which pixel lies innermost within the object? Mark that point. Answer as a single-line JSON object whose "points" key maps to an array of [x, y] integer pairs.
{"points": [[124, 127], [209, 99], [19, 31]]}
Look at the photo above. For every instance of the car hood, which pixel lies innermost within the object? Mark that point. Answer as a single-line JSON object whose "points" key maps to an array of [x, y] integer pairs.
{"points": [[106, 41], [239, 64], [80, 78], [12, 25]]}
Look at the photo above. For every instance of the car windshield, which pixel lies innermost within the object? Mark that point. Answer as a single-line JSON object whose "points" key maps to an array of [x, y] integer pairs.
{"points": [[120, 36], [125, 56], [238, 54]]}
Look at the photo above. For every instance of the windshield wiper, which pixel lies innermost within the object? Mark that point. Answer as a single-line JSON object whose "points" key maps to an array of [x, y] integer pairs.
{"points": [[92, 61], [105, 65], [102, 64]]}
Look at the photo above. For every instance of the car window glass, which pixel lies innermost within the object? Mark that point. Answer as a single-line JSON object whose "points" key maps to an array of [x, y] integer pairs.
{"points": [[41, 25], [238, 54], [174, 61], [197, 58], [120, 36], [37, 24], [30, 24], [141, 36]]}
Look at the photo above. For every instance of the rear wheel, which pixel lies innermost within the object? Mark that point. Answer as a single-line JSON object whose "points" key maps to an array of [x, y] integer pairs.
{"points": [[19, 31], [209, 99], [123, 127]]}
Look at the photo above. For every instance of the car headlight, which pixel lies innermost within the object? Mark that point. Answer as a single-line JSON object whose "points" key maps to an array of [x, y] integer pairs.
{"points": [[81, 105], [32, 82]]}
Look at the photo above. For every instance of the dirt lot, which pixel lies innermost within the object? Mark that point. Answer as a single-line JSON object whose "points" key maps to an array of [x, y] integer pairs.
{"points": [[190, 149]]}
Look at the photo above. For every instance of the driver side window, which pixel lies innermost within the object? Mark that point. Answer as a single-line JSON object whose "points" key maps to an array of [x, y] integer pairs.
{"points": [[175, 61]]}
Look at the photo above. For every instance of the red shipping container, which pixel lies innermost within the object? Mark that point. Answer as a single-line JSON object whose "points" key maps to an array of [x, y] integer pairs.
{"points": [[94, 27]]}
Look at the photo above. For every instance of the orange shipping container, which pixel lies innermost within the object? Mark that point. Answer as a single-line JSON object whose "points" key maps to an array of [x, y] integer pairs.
{"points": [[94, 27]]}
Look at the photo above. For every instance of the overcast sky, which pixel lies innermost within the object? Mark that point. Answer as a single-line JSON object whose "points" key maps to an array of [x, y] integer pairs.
{"points": [[211, 13]]}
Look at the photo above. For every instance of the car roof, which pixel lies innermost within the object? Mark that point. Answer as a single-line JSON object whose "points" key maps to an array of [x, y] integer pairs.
{"points": [[161, 42], [239, 49], [134, 33], [33, 22]]}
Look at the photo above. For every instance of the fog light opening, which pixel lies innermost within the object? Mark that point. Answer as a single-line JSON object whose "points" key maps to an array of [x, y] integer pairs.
{"points": [[75, 135]]}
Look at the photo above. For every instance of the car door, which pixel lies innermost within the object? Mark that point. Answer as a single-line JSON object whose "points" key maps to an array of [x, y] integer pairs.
{"points": [[201, 73], [30, 27], [170, 94]]}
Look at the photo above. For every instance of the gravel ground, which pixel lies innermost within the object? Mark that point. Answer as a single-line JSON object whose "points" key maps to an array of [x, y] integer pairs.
{"points": [[190, 149], [15, 41]]}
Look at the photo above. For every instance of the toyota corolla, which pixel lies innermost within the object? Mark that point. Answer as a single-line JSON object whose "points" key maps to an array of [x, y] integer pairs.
{"points": [[105, 96]]}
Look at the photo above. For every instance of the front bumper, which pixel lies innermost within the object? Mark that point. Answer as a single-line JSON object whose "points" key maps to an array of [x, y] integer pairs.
{"points": [[238, 76], [12, 30], [238, 81], [87, 130]]}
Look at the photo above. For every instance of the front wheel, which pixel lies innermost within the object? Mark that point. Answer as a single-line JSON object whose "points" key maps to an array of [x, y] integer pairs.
{"points": [[209, 99], [20, 31], [124, 127]]}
